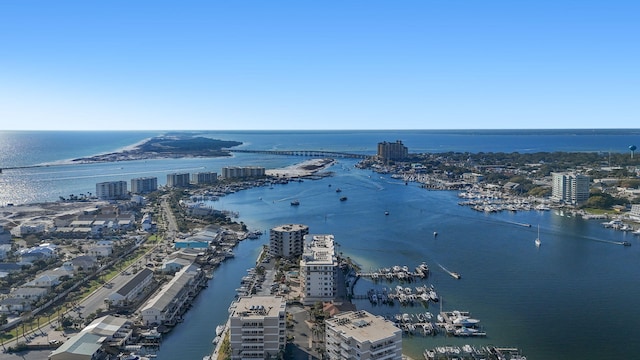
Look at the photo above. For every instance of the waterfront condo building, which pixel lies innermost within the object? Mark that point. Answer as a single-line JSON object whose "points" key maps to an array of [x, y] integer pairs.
{"points": [[392, 151], [287, 241], [318, 269], [570, 188], [144, 185], [204, 178], [361, 335], [242, 172], [178, 180], [257, 327], [111, 190]]}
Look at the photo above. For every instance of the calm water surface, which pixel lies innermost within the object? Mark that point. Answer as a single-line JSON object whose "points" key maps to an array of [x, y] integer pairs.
{"points": [[571, 298]]}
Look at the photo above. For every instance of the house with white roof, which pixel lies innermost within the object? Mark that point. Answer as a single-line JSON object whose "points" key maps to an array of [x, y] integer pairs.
{"points": [[99, 251], [44, 280], [175, 264]]}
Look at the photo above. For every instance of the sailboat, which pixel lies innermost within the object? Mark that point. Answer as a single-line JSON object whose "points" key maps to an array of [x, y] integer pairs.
{"points": [[538, 238]]}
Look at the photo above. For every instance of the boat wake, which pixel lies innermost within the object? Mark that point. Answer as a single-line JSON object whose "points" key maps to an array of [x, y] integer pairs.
{"points": [[452, 273]]}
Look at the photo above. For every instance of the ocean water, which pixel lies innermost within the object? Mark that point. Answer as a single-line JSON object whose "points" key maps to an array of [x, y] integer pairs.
{"points": [[572, 298], [48, 183]]}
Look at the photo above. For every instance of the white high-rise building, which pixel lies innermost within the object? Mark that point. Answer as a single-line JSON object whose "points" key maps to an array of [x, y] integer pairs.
{"points": [[570, 188], [111, 190], [144, 185], [318, 269], [257, 327], [241, 172], [204, 178], [361, 335], [178, 180], [287, 240]]}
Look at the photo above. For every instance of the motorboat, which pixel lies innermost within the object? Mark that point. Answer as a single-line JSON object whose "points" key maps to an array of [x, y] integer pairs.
{"points": [[219, 330]]}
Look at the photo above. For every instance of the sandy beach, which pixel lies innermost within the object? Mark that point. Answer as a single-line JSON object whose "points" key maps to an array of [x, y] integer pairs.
{"points": [[303, 169]]}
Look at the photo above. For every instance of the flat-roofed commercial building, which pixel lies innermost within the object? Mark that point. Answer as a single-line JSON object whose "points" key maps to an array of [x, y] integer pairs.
{"points": [[257, 327], [361, 335], [287, 240]]}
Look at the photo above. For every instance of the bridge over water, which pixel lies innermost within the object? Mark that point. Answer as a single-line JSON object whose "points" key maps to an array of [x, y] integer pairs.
{"points": [[310, 153]]}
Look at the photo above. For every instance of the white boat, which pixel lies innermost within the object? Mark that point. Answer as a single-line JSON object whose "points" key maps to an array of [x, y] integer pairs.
{"points": [[537, 241], [465, 331], [219, 330], [465, 321], [433, 296]]}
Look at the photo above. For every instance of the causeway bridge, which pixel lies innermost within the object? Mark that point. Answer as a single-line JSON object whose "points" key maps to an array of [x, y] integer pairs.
{"points": [[309, 153]]}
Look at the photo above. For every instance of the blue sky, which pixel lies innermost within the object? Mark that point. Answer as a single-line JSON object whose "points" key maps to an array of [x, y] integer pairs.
{"points": [[367, 64]]}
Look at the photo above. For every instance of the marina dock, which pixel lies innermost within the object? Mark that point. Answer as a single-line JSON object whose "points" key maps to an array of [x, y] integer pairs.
{"points": [[397, 272], [469, 352]]}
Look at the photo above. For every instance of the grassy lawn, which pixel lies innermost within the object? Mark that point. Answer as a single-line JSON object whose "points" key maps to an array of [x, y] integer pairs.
{"points": [[595, 211]]}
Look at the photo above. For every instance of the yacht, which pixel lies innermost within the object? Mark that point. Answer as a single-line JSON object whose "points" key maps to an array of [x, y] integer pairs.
{"points": [[295, 203], [219, 330], [537, 241]]}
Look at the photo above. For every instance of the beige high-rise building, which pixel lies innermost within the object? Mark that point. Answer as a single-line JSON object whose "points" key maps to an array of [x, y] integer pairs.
{"points": [[287, 240], [257, 327], [392, 151], [363, 336]]}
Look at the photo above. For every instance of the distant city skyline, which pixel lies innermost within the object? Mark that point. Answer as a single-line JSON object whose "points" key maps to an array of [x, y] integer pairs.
{"points": [[297, 65]]}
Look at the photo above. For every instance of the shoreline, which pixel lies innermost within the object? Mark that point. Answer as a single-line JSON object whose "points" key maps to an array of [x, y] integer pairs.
{"points": [[306, 168], [166, 146]]}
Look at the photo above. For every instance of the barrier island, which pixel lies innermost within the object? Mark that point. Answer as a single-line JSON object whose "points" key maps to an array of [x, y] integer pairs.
{"points": [[168, 146]]}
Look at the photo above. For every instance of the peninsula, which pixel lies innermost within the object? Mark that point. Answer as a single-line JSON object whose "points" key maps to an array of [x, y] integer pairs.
{"points": [[168, 146]]}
